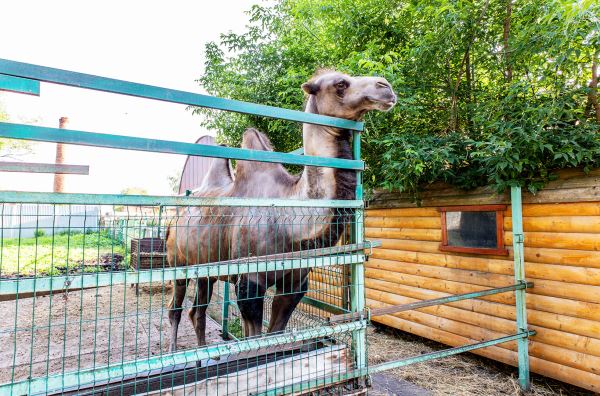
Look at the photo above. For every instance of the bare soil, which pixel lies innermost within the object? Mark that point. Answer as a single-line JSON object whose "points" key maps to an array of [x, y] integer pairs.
{"points": [[87, 328]]}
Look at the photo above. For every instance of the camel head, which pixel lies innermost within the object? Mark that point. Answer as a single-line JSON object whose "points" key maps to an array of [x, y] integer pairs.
{"points": [[340, 95]]}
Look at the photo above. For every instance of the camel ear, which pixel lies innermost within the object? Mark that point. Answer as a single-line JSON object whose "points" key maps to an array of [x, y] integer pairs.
{"points": [[310, 88]]}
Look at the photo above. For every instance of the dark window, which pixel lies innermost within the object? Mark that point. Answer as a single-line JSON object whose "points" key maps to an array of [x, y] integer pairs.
{"points": [[473, 229]]}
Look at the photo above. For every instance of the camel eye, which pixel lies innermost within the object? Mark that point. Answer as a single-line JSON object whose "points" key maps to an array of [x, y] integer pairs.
{"points": [[341, 84]]}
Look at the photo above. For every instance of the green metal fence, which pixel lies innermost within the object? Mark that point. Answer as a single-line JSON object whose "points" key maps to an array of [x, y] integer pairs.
{"points": [[74, 326]]}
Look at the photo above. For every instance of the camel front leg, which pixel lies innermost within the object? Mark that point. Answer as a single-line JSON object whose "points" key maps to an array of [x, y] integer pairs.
{"points": [[250, 300], [175, 307], [285, 302], [198, 312]]}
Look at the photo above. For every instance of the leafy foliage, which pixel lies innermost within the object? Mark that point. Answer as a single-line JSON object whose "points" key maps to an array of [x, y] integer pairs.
{"points": [[489, 92]]}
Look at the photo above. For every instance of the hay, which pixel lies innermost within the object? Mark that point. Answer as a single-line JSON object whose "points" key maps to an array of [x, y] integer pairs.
{"points": [[465, 374]]}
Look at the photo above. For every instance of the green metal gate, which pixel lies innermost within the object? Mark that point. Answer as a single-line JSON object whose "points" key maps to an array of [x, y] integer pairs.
{"points": [[72, 325]]}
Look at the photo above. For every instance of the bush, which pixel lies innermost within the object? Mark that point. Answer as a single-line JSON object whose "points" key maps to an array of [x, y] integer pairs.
{"points": [[473, 108], [39, 233]]}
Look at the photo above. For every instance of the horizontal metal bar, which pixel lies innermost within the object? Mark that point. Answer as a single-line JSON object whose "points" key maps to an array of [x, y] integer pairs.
{"points": [[299, 151], [322, 305], [427, 303], [342, 377], [89, 376], [19, 85], [150, 200], [58, 135], [37, 167], [446, 352], [242, 266], [81, 80]]}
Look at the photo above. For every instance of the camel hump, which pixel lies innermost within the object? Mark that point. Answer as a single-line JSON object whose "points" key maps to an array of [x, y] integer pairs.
{"points": [[219, 176], [254, 139]]}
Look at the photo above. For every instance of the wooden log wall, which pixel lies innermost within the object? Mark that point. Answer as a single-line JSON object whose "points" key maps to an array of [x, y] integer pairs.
{"points": [[562, 258]]}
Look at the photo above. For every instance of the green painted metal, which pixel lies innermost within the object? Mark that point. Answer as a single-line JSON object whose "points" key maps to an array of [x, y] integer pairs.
{"points": [[357, 287], [19, 85], [149, 200], [341, 378], [81, 80], [427, 303], [299, 151], [323, 305], [82, 377], [448, 352], [57, 135], [35, 167], [16, 73], [519, 269], [225, 311], [233, 267]]}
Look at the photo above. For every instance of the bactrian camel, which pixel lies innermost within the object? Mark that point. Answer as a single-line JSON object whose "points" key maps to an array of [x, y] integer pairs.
{"points": [[211, 234]]}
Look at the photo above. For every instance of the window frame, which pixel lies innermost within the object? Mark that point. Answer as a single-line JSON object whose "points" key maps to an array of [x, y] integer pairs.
{"points": [[499, 250]]}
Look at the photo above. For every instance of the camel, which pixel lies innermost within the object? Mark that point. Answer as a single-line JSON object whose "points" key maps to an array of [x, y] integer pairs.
{"points": [[211, 234]]}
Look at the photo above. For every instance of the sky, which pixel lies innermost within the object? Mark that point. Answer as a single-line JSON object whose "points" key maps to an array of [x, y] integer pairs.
{"points": [[152, 42]]}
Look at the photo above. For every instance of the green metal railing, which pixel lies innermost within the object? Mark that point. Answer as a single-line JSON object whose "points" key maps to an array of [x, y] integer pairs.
{"points": [[145, 369]]}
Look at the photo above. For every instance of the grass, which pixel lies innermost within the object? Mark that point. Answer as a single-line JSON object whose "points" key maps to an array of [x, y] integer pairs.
{"points": [[56, 254]]}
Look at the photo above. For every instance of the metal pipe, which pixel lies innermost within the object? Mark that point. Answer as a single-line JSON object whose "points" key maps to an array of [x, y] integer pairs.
{"points": [[519, 264], [81, 80], [57, 382], [427, 303]]}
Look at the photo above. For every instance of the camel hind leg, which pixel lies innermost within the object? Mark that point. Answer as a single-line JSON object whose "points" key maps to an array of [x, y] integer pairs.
{"points": [[175, 308]]}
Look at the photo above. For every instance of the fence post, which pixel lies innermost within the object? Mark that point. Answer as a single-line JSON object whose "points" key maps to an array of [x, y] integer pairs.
{"points": [[357, 291], [225, 312], [519, 264]]}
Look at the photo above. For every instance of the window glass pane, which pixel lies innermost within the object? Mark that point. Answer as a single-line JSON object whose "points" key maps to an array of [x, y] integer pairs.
{"points": [[472, 229]]}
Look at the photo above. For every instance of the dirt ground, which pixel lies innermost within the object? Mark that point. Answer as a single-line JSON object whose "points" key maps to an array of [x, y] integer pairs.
{"points": [[458, 375], [66, 336]]}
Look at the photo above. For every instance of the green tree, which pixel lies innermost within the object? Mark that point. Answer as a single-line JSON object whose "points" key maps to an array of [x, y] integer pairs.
{"points": [[490, 92]]}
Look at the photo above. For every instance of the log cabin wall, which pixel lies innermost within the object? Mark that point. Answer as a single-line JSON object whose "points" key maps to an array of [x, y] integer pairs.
{"points": [[562, 258]]}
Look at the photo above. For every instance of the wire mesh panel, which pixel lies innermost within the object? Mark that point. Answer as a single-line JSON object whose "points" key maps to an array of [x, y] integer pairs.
{"points": [[76, 324]]}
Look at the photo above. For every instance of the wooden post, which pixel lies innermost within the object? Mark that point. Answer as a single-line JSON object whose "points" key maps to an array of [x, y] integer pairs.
{"points": [[59, 179]]}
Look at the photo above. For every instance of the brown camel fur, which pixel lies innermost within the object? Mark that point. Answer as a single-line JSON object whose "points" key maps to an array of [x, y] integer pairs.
{"points": [[210, 234]]}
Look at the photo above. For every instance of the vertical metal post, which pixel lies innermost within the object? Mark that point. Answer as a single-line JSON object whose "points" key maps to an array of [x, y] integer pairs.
{"points": [[357, 290], [518, 242], [225, 312]]}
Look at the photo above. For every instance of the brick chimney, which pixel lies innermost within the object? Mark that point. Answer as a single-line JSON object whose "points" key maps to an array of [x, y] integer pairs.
{"points": [[59, 180]]}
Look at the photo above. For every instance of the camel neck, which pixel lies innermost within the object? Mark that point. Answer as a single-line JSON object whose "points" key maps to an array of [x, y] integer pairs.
{"points": [[324, 141]]}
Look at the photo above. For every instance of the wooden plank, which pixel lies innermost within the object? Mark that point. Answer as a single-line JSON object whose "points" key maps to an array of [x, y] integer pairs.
{"points": [[559, 209], [581, 224], [579, 258], [404, 212], [576, 241], [37, 167], [580, 309], [543, 287], [555, 272], [562, 356], [561, 322], [404, 222], [586, 345], [330, 361], [563, 373], [414, 234], [19, 85]]}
